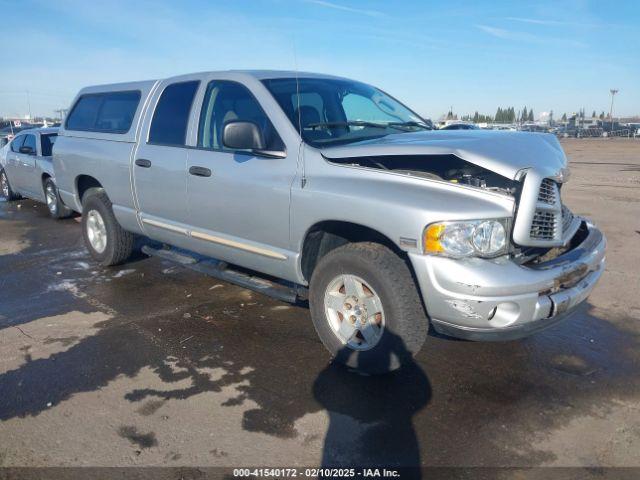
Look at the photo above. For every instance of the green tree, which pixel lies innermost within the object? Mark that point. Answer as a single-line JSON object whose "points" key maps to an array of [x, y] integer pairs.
{"points": [[524, 117], [531, 115], [593, 115], [602, 115], [564, 117]]}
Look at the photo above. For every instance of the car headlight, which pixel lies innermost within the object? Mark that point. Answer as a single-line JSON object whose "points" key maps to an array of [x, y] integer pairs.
{"points": [[479, 238]]}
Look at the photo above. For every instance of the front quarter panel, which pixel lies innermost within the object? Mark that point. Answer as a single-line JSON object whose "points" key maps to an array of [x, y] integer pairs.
{"points": [[395, 205]]}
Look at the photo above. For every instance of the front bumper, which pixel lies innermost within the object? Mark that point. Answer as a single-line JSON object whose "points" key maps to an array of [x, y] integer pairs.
{"points": [[480, 299]]}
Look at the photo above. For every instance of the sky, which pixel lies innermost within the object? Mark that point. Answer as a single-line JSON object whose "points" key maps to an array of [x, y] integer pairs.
{"points": [[432, 55]]}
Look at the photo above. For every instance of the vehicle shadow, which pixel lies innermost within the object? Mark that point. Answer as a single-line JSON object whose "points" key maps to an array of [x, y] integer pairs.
{"points": [[371, 417]]}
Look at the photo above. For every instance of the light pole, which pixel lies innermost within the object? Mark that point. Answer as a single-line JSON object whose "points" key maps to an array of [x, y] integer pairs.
{"points": [[613, 92], [29, 105]]}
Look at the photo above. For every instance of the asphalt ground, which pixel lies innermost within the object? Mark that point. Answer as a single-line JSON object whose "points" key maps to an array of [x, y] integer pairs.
{"points": [[152, 364]]}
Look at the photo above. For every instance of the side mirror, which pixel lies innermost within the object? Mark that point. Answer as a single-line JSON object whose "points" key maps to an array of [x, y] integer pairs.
{"points": [[239, 135], [242, 136], [27, 150]]}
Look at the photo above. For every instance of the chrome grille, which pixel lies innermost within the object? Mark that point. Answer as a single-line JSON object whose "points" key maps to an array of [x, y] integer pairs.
{"points": [[548, 191], [539, 220], [543, 225]]}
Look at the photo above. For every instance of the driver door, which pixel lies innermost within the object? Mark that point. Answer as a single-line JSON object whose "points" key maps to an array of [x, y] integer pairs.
{"points": [[26, 166], [238, 201]]}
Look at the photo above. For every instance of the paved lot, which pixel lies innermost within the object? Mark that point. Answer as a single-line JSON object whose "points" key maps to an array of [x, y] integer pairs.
{"points": [[150, 364]]}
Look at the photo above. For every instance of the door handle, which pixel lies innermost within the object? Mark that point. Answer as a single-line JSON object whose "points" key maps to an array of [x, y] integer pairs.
{"points": [[143, 162], [200, 171]]}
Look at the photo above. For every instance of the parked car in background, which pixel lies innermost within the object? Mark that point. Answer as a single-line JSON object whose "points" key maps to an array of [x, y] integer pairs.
{"points": [[340, 192], [26, 170], [460, 126], [12, 130]]}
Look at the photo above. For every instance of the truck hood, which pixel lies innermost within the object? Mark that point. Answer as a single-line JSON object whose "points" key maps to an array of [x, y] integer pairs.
{"points": [[505, 153]]}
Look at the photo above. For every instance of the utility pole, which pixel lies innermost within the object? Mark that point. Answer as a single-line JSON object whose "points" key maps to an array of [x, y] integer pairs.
{"points": [[62, 112], [613, 92], [29, 105]]}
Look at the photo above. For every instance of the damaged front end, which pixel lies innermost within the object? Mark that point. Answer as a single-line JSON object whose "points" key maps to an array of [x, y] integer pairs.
{"points": [[444, 168], [554, 258], [544, 227], [499, 299]]}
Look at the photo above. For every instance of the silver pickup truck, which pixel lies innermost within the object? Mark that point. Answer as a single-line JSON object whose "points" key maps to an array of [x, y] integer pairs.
{"points": [[335, 191]]}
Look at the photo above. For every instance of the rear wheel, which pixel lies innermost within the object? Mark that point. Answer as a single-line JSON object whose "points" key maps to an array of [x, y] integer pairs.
{"points": [[5, 188], [107, 242], [366, 308], [57, 209]]}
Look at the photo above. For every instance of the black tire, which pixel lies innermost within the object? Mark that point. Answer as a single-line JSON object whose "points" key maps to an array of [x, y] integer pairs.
{"points": [[57, 210], [119, 242], [9, 195], [405, 320]]}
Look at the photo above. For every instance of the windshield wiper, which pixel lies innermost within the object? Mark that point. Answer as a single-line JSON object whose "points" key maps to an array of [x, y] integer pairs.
{"points": [[351, 123], [410, 124], [363, 123]]}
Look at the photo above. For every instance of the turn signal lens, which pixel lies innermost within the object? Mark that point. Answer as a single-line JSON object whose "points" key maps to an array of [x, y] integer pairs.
{"points": [[432, 237]]}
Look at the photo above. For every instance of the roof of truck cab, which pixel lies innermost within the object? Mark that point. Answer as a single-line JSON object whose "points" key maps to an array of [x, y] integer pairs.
{"points": [[257, 74], [146, 85], [270, 74]]}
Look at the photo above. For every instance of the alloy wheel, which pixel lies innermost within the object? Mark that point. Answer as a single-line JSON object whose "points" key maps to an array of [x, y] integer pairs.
{"points": [[52, 198], [4, 184], [96, 231], [354, 312]]}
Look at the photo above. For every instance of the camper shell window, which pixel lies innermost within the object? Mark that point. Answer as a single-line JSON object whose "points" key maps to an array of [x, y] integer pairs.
{"points": [[109, 112]]}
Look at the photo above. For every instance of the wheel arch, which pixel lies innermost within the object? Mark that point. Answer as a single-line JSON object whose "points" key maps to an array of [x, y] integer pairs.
{"points": [[84, 183], [43, 179], [326, 235]]}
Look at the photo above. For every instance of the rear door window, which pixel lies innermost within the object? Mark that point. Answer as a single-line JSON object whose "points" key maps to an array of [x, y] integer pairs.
{"points": [[171, 117], [109, 112], [46, 143]]}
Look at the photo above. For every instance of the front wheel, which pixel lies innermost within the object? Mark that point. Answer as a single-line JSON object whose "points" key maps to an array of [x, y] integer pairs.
{"points": [[57, 209], [107, 242], [366, 308], [5, 187]]}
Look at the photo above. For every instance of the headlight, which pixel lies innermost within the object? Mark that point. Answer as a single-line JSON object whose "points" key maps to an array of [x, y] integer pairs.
{"points": [[480, 238]]}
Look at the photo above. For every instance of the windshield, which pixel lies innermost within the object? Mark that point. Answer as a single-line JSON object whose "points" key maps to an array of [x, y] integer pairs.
{"points": [[333, 111]]}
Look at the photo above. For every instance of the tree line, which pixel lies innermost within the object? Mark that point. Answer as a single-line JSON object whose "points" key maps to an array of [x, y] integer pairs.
{"points": [[509, 115], [503, 115]]}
